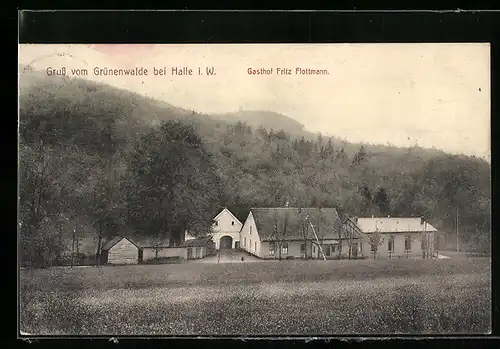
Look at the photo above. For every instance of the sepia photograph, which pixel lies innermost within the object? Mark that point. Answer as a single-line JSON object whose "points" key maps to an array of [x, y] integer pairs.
{"points": [[254, 189]]}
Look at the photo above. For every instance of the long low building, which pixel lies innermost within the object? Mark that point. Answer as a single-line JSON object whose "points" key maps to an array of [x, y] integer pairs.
{"points": [[136, 250], [394, 237], [291, 232]]}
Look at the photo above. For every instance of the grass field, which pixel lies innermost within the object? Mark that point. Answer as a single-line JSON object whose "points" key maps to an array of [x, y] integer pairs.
{"points": [[279, 298]]}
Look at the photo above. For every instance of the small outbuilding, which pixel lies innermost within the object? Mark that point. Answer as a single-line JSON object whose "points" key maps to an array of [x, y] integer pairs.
{"points": [[121, 250], [199, 248]]}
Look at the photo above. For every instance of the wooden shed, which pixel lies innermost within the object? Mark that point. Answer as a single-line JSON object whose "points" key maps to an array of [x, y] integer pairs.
{"points": [[199, 248], [121, 250]]}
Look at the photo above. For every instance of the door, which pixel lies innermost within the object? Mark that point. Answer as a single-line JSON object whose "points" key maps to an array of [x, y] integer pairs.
{"points": [[226, 242], [237, 245], [140, 255], [190, 253], [354, 249]]}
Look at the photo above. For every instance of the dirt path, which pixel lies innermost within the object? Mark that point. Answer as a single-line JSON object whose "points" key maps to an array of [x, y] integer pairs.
{"points": [[228, 256]]}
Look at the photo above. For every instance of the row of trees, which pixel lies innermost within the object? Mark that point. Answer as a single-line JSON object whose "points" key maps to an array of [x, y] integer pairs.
{"points": [[165, 185]]}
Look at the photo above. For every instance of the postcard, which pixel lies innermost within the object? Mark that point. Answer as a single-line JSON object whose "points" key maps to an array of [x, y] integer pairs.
{"points": [[254, 189]]}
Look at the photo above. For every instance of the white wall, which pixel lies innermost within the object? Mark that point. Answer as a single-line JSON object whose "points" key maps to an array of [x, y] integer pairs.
{"points": [[124, 252], [227, 225], [399, 245], [250, 234], [150, 253]]}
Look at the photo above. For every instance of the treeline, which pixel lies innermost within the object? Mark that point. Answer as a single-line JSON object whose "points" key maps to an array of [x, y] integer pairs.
{"points": [[268, 168], [87, 165]]}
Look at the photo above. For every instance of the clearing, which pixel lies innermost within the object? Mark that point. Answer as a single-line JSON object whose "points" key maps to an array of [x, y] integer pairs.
{"points": [[269, 297]]}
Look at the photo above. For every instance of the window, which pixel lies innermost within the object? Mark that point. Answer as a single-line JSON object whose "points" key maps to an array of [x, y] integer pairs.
{"points": [[250, 230], [407, 243], [302, 248], [255, 246], [327, 249], [245, 242], [216, 223], [284, 248], [314, 248], [272, 248], [335, 247], [232, 223], [390, 246], [197, 252], [354, 249], [250, 247]]}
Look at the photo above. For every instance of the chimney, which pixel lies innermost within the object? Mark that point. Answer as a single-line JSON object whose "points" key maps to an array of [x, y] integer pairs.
{"points": [[422, 220]]}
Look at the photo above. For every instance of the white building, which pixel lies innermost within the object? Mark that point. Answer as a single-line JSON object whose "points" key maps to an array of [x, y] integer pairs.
{"points": [[226, 230]]}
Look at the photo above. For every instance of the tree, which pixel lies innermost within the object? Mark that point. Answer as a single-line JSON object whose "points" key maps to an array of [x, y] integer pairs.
{"points": [[360, 157], [157, 243], [172, 183], [382, 201], [41, 186], [375, 239], [341, 156], [366, 200], [304, 227], [280, 229]]}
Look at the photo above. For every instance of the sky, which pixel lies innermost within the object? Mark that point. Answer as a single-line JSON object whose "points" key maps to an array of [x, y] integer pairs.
{"points": [[426, 94]]}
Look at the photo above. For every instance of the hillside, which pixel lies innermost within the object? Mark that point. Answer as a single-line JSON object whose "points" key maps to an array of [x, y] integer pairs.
{"points": [[83, 150], [266, 119]]}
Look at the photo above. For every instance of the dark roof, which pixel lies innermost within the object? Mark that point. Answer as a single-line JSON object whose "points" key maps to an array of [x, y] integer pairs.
{"points": [[111, 242], [117, 239], [392, 225], [270, 223], [146, 241], [140, 242], [197, 242]]}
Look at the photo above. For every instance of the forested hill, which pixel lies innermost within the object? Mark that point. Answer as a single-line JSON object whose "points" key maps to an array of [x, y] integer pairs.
{"points": [[109, 160]]}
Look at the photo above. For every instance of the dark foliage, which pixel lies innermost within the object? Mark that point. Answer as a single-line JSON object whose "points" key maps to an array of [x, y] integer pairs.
{"points": [[100, 159]]}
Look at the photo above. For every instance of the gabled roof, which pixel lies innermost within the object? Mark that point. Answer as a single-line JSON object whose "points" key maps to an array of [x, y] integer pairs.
{"points": [[270, 223], [232, 215], [108, 245], [197, 242], [139, 242], [146, 241], [392, 225], [111, 243]]}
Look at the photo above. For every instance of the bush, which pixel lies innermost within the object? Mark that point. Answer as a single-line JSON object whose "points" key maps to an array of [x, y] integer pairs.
{"points": [[75, 259]]}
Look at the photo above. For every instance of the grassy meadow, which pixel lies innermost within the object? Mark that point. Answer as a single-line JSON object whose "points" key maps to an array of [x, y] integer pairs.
{"points": [[267, 298]]}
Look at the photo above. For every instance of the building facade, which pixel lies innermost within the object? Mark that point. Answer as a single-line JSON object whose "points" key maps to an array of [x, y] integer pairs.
{"points": [[290, 232], [121, 250], [394, 237], [199, 248], [226, 230]]}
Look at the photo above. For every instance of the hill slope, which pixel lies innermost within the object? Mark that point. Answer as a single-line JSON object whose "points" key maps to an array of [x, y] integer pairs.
{"points": [[94, 127]]}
